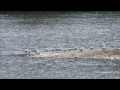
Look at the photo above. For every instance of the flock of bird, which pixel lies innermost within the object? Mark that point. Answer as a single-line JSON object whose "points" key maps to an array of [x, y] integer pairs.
{"points": [[31, 52], [37, 52]]}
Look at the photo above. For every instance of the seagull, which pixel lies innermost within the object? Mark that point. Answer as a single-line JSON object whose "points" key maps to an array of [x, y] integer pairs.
{"points": [[117, 49], [69, 49], [81, 49], [36, 51], [27, 52], [103, 48], [58, 49], [75, 49], [91, 48]]}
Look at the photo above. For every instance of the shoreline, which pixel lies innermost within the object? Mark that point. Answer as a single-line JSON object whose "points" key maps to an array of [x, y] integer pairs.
{"points": [[90, 54]]}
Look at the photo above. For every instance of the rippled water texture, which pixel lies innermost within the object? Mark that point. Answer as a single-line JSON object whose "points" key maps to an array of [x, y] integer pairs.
{"points": [[42, 30]]}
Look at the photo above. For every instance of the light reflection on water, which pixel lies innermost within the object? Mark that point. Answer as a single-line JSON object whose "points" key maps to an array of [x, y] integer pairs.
{"points": [[42, 30]]}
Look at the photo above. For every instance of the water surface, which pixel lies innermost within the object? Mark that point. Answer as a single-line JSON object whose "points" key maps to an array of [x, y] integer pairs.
{"points": [[41, 30]]}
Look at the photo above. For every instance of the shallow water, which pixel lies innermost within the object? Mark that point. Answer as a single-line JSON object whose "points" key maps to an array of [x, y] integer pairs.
{"points": [[41, 30]]}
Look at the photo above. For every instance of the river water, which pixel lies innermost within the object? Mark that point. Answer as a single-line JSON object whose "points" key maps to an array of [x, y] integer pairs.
{"points": [[43, 30]]}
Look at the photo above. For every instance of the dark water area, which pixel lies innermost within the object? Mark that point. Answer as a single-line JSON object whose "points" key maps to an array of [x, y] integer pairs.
{"points": [[42, 30]]}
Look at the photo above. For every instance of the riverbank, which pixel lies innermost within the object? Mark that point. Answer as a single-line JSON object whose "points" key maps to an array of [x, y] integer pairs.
{"points": [[92, 54]]}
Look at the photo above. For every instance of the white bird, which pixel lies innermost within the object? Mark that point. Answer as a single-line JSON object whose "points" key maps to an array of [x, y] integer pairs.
{"points": [[27, 52], [36, 51], [81, 49], [74, 48], [103, 48], [69, 49], [117, 49], [91, 48]]}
